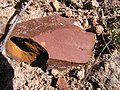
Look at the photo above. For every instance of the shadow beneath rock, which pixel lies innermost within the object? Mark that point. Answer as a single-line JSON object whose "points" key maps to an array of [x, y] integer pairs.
{"points": [[32, 52], [41, 61], [6, 74]]}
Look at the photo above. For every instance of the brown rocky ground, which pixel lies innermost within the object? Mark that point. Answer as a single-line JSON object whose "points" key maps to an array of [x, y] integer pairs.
{"points": [[98, 16]]}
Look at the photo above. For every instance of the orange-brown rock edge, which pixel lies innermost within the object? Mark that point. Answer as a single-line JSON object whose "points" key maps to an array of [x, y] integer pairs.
{"points": [[65, 43]]}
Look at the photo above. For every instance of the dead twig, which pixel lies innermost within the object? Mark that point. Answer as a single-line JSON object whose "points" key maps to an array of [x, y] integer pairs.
{"points": [[95, 62], [106, 44], [18, 16]]}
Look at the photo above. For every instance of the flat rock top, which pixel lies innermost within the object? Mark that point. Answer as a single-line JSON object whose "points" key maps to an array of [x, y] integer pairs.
{"points": [[34, 27], [68, 44]]}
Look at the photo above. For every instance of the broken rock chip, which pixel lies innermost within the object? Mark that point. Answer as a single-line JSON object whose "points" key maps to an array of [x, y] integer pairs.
{"points": [[55, 4], [65, 43], [62, 84]]}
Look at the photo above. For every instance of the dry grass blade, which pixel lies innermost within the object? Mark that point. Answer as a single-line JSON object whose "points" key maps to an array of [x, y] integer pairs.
{"points": [[13, 25]]}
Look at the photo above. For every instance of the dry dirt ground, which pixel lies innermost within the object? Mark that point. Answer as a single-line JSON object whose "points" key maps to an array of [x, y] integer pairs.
{"points": [[100, 17]]}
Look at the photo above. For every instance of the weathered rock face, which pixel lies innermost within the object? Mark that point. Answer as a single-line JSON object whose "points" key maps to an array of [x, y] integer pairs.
{"points": [[69, 44], [35, 27], [64, 42]]}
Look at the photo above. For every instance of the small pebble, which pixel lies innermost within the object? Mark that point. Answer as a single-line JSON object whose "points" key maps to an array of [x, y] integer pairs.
{"points": [[81, 74], [85, 23], [69, 13], [77, 23], [106, 67], [95, 3], [56, 5], [62, 84], [99, 29], [54, 72]]}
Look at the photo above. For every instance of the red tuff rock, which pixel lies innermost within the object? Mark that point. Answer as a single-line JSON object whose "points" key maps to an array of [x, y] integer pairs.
{"points": [[65, 43]]}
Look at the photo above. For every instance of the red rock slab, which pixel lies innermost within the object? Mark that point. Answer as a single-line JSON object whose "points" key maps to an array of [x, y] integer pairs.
{"points": [[64, 42], [69, 44]]}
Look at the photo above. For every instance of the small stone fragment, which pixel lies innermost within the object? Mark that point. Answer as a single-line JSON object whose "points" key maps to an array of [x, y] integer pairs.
{"points": [[77, 23], [54, 72], [69, 13], [62, 84], [56, 5], [86, 23], [81, 74], [95, 21], [106, 67], [95, 3], [99, 29], [49, 9]]}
